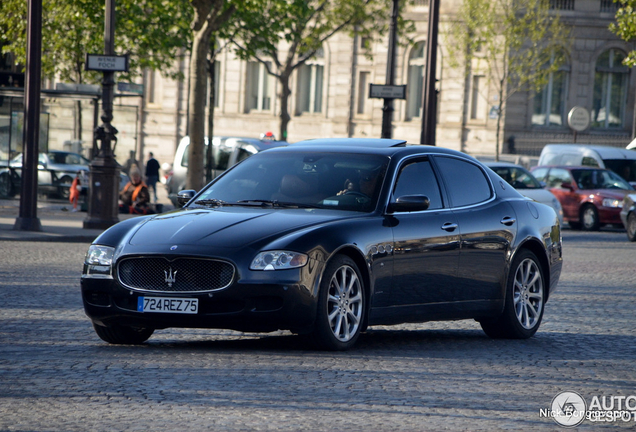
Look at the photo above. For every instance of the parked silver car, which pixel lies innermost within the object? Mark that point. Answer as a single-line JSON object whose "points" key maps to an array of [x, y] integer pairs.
{"points": [[56, 171]]}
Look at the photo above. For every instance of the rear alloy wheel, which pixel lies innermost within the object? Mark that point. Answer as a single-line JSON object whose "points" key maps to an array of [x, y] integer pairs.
{"points": [[525, 299], [123, 334], [589, 218], [630, 226], [341, 305]]}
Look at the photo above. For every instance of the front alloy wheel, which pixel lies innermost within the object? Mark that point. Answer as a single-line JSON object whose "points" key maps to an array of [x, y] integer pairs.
{"points": [[341, 305], [589, 217], [524, 303]]}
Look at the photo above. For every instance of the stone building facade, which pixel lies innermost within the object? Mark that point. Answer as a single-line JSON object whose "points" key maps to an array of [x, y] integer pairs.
{"points": [[330, 95]]}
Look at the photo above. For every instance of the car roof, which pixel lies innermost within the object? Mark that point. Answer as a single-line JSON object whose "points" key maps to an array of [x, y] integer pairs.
{"points": [[380, 146]]}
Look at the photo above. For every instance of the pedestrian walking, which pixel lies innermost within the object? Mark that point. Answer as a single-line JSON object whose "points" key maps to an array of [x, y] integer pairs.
{"points": [[152, 174], [76, 189]]}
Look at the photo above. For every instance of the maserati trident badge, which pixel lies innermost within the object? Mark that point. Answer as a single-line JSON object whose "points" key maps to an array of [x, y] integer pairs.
{"points": [[170, 277]]}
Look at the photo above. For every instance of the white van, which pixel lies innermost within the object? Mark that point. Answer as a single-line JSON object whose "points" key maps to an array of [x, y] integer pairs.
{"points": [[621, 161]]}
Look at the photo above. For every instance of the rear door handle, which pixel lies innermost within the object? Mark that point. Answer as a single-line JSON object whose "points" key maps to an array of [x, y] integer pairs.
{"points": [[449, 226], [507, 220]]}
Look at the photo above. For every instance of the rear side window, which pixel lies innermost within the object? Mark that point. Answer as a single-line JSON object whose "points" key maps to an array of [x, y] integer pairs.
{"points": [[556, 177], [467, 184], [417, 178]]}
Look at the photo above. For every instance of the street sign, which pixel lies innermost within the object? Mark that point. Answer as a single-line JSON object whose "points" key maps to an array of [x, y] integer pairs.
{"points": [[130, 88], [99, 62], [387, 91], [579, 119]]}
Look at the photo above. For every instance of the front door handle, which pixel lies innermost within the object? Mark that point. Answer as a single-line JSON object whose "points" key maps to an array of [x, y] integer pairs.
{"points": [[449, 226], [507, 220]]}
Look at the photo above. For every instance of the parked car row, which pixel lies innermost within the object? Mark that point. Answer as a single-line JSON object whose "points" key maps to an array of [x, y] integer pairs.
{"points": [[56, 171]]}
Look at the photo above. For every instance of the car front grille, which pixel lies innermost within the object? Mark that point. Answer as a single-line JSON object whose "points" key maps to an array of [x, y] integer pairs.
{"points": [[179, 275]]}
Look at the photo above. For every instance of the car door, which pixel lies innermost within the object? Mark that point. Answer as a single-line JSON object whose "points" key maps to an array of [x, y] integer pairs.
{"points": [[426, 243], [487, 227], [568, 198]]}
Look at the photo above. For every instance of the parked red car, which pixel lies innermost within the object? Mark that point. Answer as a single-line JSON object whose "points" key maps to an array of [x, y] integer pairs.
{"points": [[590, 197]]}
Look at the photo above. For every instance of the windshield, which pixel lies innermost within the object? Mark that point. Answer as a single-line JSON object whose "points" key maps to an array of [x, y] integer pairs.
{"points": [[303, 179], [599, 179], [517, 177]]}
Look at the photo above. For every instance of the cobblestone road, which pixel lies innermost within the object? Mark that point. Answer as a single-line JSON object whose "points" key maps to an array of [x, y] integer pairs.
{"points": [[57, 375]]}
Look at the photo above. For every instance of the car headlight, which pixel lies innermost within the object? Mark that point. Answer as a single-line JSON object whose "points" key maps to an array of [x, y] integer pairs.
{"points": [[278, 260], [615, 203], [98, 261]]}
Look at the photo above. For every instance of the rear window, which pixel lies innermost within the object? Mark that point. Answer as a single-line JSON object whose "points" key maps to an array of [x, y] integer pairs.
{"points": [[625, 168]]}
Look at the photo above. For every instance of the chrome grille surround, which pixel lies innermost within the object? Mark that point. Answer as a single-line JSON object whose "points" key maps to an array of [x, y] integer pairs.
{"points": [[178, 275]]}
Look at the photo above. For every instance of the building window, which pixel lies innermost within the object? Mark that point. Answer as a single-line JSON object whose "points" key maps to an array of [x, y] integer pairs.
{"points": [[259, 88], [549, 105], [610, 90], [415, 81], [477, 100], [363, 85], [310, 84]]}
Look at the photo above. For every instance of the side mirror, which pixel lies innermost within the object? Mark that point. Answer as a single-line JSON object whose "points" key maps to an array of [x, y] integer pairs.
{"points": [[184, 196], [566, 185], [410, 203]]}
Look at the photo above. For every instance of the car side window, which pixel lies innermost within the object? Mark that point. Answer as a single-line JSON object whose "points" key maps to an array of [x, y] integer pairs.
{"points": [[467, 184], [588, 161], [540, 174], [418, 178], [556, 177]]}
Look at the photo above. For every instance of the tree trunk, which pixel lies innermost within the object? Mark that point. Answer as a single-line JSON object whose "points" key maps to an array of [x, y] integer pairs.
{"points": [[196, 100], [284, 104]]}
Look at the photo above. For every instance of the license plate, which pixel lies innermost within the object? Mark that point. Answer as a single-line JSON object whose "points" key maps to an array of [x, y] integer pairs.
{"points": [[168, 305]]}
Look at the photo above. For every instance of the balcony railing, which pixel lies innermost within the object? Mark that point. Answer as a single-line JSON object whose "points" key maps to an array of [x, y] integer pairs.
{"points": [[609, 6], [562, 4]]}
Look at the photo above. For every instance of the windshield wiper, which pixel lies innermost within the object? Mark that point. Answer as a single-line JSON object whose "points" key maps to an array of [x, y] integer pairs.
{"points": [[274, 203], [211, 202]]}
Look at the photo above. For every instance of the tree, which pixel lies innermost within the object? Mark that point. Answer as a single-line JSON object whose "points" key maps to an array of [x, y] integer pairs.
{"points": [[149, 31], [516, 43], [303, 26], [210, 16], [625, 26]]}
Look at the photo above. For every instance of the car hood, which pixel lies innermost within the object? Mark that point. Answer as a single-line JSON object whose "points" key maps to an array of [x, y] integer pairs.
{"points": [[230, 227]]}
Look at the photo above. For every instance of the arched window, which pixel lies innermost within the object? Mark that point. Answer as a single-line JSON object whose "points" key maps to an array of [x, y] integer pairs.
{"points": [[610, 90], [415, 81], [310, 84], [549, 104]]}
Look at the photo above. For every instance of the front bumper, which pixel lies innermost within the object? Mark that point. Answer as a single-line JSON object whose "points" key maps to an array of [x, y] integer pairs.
{"points": [[252, 306]]}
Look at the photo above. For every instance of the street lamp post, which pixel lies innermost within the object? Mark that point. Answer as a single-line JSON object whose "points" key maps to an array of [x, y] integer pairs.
{"points": [[103, 209], [387, 109], [27, 219], [429, 99]]}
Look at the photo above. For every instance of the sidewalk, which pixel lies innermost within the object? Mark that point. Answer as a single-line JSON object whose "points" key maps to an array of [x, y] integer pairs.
{"points": [[59, 223]]}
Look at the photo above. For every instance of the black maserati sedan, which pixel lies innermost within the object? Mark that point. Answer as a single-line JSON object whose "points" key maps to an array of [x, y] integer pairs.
{"points": [[326, 237]]}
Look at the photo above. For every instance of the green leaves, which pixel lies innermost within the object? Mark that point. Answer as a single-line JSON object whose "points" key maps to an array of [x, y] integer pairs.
{"points": [[625, 26]]}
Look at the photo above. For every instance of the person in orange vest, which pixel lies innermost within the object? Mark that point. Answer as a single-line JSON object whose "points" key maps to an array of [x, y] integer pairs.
{"points": [[135, 197], [76, 188]]}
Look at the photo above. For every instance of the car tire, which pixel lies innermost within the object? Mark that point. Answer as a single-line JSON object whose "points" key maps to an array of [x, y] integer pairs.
{"points": [[341, 306], [589, 218], [123, 335], [64, 187], [630, 226], [6, 188], [524, 302]]}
